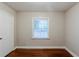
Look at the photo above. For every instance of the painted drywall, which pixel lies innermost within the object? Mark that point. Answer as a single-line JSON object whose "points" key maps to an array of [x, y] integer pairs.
{"points": [[24, 29], [7, 16], [72, 29]]}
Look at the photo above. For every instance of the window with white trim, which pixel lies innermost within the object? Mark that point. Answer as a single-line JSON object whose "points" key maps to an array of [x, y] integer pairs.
{"points": [[40, 27]]}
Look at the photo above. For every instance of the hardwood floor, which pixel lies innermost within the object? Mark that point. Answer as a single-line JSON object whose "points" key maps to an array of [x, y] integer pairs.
{"points": [[39, 53]]}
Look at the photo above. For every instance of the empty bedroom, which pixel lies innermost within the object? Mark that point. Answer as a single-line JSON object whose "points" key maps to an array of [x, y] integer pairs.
{"points": [[39, 29]]}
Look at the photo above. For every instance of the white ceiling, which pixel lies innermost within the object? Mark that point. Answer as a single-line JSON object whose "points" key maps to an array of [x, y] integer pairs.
{"points": [[41, 6]]}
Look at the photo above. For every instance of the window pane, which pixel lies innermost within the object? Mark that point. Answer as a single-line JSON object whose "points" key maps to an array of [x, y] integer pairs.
{"points": [[40, 28]]}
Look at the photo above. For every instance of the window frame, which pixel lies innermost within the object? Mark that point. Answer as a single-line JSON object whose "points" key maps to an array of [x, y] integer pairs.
{"points": [[33, 18]]}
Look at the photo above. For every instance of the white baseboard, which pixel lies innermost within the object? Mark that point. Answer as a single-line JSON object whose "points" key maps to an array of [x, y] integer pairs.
{"points": [[41, 47], [10, 51], [14, 48], [73, 54]]}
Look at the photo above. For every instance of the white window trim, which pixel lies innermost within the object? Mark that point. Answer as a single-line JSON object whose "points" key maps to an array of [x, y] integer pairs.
{"points": [[33, 28]]}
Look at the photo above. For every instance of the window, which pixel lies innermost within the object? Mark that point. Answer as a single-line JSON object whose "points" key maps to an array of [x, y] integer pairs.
{"points": [[40, 28]]}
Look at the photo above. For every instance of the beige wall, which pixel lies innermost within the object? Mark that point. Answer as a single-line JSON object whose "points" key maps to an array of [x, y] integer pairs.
{"points": [[72, 29], [24, 29]]}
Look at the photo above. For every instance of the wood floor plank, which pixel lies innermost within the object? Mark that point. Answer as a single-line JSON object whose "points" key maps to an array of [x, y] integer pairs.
{"points": [[39, 53]]}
